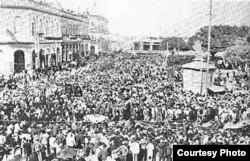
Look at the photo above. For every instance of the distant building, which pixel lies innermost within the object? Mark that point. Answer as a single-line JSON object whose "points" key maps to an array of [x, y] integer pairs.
{"points": [[147, 45], [76, 38], [98, 25], [98, 31]]}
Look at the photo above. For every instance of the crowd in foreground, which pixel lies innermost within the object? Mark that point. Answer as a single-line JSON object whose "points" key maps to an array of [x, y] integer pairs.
{"points": [[42, 112]]}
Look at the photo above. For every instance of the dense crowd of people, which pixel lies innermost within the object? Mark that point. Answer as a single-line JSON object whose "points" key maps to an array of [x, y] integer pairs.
{"points": [[42, 112]]}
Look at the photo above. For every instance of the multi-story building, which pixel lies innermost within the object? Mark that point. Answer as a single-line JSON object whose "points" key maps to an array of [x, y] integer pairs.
{"points": [[99, 32], [98, 25], [35, 35], [75, 33], [147, 44], [148, 47]]}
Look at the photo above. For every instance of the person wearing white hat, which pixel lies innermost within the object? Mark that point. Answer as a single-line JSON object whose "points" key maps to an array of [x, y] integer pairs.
{"points": [[2, 138], [10, 128], [53, 144], [150, 149], [44, 139], [38, 148], [134, 148], [17, 128], [70, 140]]}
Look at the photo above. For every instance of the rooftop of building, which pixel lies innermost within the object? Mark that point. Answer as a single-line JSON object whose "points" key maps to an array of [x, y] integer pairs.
{"points": [[42, 6], [198, 65]]}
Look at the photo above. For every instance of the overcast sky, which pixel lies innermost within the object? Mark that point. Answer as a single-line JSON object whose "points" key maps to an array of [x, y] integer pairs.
{"points": [[163, 17]]}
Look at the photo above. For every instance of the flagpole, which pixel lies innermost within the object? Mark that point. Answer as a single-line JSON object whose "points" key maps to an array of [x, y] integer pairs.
{"points": [[209, 45]]}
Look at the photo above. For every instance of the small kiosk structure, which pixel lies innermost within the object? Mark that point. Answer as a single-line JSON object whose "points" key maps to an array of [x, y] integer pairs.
{"points": [[194, 76]]}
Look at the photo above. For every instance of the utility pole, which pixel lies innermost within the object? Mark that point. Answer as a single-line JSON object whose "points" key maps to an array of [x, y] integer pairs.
{"points": [[209, 44], [197, 48]]}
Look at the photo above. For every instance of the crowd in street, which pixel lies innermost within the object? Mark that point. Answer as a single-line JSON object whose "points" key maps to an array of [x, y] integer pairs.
{"points": [[42, 112]]}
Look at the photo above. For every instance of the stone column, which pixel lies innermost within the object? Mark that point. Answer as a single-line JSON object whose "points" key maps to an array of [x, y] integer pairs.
{"points": [[66, 53], [63, 53], [151, 46], [96, 49], [140, 45], [49, 59], [45, 59], [37, 61], [57, 55], [28, 59], [70, 52]]}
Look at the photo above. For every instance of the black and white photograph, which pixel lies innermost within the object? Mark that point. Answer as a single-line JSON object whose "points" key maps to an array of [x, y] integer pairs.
{"points": [[123, 80]]}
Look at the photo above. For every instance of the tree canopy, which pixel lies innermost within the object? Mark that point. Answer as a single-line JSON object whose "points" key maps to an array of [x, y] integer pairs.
{"points": [[222, 37], [240, 52], [178, 60], [248, 39], [174, 42]]}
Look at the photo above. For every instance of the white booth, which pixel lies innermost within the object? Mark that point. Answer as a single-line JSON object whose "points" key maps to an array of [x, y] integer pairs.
{"points": [[194, 76]]}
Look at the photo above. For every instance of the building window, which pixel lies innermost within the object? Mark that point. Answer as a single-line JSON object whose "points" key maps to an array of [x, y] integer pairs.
{"points": [[41, 27], [58, 27], [47, 28], [33, 28]]}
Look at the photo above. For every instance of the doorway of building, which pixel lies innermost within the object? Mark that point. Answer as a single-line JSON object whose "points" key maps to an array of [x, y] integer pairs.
{"points": [[53, 60], [41, 59], [92, 50], [19, 61], [33, 60]]}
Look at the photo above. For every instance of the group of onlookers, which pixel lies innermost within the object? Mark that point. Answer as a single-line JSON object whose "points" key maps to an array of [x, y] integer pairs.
{"points": [[43, 111]]}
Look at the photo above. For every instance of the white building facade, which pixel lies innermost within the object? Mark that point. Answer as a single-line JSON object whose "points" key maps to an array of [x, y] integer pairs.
{"points": [[36, 35]]}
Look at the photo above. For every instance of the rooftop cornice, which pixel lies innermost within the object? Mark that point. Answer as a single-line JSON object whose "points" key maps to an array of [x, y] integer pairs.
{"points": [[53, 11]]}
